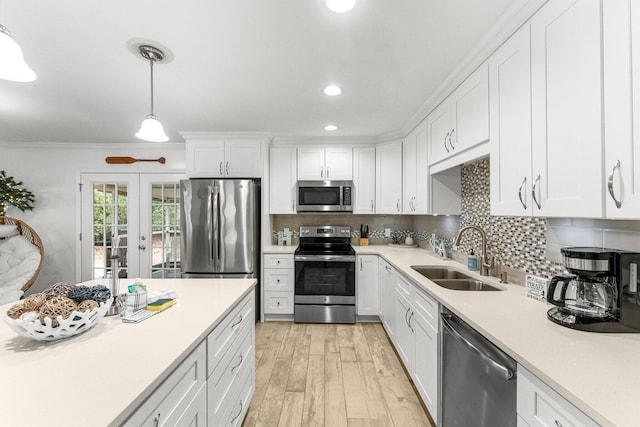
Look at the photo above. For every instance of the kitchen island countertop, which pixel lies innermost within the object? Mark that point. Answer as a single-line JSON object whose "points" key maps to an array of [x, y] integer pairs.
{"points": [[101, 376]]}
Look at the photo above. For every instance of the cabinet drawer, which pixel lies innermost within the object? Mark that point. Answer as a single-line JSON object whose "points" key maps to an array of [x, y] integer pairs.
{"points": [[224, 335], [427, 307], [236, 408], [278, 260], [224, 381], [540, 406], [169, 401], [404, 287], [278, 302], [196, 413], [278, 279]]}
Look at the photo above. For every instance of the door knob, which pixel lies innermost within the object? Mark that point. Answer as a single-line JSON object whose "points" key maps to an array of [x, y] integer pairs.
{"points": [[142, 247]]}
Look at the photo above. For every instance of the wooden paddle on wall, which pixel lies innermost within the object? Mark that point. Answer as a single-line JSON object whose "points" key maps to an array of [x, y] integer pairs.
{"points": [[128, 160]]}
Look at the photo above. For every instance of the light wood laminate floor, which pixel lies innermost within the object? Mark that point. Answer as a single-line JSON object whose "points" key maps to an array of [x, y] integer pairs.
{"points": [[330, 375]]}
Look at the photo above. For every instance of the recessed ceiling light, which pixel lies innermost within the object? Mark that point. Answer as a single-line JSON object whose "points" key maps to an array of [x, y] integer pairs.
{"points": [[332, 90], [330, 128], [340, 6]]}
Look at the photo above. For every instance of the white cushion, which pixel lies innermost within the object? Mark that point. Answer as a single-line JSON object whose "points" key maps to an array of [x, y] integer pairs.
{"points": [[19, 260], [8, 230]]}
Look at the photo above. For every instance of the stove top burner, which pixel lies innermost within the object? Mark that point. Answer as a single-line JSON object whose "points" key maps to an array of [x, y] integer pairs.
{"points": [[325, 240]]}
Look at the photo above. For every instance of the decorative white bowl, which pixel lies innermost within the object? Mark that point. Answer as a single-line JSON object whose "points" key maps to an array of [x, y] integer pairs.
{"points": [[75, 324]]}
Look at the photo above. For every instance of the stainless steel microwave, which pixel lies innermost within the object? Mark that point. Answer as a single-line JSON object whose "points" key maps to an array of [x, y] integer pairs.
{"points": [[324, 196]]}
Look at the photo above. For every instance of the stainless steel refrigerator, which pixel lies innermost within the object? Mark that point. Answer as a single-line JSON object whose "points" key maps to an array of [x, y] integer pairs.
{"points": [[220, 229]]}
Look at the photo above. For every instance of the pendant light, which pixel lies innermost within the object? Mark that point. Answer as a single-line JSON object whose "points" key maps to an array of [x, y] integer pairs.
{"points": [[12, 66], [151, 129]]}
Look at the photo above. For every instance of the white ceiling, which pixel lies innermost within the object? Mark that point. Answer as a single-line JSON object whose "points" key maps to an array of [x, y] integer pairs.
{"points": [[239, 65]]}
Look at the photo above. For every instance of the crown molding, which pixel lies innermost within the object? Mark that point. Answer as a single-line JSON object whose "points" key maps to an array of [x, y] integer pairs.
{"points": [[205, 135]]}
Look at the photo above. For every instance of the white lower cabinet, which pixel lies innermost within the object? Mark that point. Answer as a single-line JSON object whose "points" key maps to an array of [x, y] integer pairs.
{"points": [[414, 333], [539, 406], [367, 285], [386, 292], [214, 379], [278, 283]]}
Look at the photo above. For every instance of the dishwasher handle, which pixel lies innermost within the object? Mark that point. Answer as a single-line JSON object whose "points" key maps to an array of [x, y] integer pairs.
{"points": [[508, 373]]}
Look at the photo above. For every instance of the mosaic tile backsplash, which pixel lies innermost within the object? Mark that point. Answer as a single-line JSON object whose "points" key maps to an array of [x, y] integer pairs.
{"points": [[515, 242]]}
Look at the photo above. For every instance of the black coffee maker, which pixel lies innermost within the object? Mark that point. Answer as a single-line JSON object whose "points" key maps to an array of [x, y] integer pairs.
{"points": [[601, 294]]}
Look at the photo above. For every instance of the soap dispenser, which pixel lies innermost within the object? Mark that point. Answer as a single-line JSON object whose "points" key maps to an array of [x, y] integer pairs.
{"points": [[472, 261]]}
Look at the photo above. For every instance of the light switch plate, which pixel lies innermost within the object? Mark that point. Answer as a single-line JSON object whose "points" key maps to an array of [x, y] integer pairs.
{"points": [[536, 287], [387, 232]]}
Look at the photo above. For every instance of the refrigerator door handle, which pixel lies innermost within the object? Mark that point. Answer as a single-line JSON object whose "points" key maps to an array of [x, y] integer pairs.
{"points": [[214, 239]]}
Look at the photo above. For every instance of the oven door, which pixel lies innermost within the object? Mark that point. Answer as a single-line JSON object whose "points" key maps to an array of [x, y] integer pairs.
{"points": [[325, 279]]}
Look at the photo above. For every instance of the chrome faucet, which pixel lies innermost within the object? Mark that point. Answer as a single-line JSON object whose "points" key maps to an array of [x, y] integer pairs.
{"points": [[484, 270]]}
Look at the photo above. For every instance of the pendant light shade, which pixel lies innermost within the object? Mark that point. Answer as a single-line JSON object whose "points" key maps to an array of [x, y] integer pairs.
{"points": [[12, 65], [151, 129]]}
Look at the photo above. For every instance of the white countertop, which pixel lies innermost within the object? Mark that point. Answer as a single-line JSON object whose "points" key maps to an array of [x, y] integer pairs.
{"points": [[99, 377], [273, 249], [598, 373]]}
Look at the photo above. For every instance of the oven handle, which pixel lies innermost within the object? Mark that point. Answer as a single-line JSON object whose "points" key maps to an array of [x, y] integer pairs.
{"points": [[326, 258]]}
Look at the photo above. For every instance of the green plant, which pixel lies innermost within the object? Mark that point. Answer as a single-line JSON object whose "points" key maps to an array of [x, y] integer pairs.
{"points": [[12, 193]]}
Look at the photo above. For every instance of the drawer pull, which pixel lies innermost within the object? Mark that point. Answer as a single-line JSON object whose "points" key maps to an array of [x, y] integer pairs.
{"points": [[233, 420], [277, 261], [239, 363], [558, 423], [237, 323], [156, 420]]}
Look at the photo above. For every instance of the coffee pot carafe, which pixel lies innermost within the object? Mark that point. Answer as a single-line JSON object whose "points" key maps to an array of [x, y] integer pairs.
{"points": [[601, 293]]}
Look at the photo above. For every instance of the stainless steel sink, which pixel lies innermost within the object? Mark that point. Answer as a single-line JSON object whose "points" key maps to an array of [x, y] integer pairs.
{"points": [[453, 279], [439, 272], [464, 285]]}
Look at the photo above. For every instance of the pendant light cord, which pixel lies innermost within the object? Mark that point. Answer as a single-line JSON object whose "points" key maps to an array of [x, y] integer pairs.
{"points": [[151, 60]]}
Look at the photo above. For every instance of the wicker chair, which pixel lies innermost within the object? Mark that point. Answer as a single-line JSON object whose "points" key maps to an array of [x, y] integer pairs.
{"points": [[28, 233]]}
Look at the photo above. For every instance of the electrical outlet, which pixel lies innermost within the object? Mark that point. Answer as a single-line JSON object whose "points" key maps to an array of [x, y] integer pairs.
{"points": [[387, 232]]}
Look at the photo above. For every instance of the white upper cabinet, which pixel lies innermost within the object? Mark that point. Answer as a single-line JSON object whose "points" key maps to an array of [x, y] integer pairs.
{"points": [[223, 158], [462, 120], [622, 108], [282, 180], [389, 178], [415, 195], [510, 107], [566, 112], [364, 180], [325, 163]]}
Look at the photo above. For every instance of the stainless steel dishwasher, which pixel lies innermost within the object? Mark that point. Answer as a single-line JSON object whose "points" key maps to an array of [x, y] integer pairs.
{"points": [[478, 379]]}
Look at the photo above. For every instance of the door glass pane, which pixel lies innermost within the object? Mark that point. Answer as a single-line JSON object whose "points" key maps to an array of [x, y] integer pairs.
{"points": [[165, 230], [109, 219]]}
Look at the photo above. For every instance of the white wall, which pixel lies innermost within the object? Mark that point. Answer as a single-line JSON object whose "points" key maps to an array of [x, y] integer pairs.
{"points": [[52, 173]]}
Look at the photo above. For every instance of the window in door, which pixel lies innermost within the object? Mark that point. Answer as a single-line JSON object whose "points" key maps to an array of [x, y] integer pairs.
{"points": [[165, 230]]}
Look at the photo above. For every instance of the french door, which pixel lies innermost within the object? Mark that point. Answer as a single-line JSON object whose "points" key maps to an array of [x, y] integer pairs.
{"points": [[144, 211]]}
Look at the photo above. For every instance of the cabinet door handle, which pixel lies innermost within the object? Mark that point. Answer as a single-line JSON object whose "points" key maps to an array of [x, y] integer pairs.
{"points": [[227, 168], [237, 323], [293, 205], [327, 172], [239, 363], [533, 192], [558, 423], [371, 205], [610, 185], [321, 172], [233, 420], [156, 420], [220, 168], [398, 205], [360, 264], [450, 142], [524, 182], [410, 317], [406, 318], [445, 141]]}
